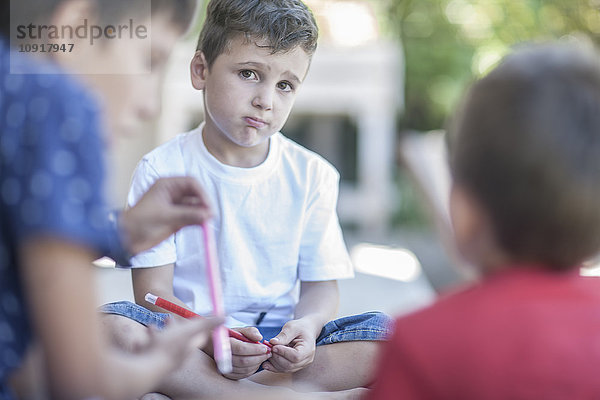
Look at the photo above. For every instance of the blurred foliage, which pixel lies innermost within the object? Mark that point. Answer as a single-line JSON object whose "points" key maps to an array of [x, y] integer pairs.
{"points": [[411, 211], [448, 43]]}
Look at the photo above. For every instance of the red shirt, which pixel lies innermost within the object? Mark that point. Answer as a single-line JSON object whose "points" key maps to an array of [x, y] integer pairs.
{"points": [[521, 334]]}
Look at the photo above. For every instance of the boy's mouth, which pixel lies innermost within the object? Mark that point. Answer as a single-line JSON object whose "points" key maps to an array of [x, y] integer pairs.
{"points": [[255, 122]]}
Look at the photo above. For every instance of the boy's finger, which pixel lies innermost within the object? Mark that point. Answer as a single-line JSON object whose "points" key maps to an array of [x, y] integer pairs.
{"points": [[185, 333], [187, 215], [190, 326], [281, 364], [209, 323], [293, 355], [240, 348], [248, 362], [198, 330], [182, 187], [268, 366], [284, 337], [250, 332]]}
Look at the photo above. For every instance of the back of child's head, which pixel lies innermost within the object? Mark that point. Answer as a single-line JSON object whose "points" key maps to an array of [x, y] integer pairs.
{"points": [[280, 25], [526, 146]]}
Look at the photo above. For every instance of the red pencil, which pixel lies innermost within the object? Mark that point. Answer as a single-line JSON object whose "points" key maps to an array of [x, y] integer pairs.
{"points": [[185, 313]]}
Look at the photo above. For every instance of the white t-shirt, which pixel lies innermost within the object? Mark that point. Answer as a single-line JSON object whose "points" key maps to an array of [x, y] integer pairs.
{"points": [[274, 224]]}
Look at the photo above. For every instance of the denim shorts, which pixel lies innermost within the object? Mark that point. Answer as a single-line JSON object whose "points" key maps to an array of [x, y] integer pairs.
{"points": [[371, 326]]}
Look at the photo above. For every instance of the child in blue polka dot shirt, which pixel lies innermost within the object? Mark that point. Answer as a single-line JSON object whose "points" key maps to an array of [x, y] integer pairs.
{"points": [[53, 219]]}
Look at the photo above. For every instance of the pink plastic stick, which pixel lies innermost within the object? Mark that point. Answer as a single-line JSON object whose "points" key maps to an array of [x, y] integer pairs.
{"points": [[220, 337]]}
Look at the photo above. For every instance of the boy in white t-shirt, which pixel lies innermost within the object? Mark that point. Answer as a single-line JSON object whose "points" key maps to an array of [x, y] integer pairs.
{"points": [[275, 217]]}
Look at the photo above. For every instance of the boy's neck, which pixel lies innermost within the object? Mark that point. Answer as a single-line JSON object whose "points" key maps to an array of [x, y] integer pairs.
{"points": [[491, 268], [488, 258], [233, 155]]}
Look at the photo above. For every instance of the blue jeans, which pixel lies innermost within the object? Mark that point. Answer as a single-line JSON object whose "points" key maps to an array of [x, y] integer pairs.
{"points": [[368, 326]]}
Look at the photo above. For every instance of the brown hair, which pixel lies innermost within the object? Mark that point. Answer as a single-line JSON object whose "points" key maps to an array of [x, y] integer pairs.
{"points": [[527, 145], [284, 24]]}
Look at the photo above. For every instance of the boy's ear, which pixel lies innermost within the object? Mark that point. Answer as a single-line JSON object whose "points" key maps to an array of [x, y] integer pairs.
{"points": [[474, 233], [469, 222], [198, 70]]}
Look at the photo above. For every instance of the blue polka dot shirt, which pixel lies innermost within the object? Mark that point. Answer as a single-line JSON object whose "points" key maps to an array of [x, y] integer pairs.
{"points": [[51, 178]]}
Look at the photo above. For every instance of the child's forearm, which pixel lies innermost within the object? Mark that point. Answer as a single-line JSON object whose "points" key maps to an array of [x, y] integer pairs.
{"points": [[155, 280], [165, 294], [318, 303]]}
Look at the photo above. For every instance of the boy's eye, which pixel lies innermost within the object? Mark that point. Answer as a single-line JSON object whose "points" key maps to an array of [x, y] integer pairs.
{"points": [[285, 86], [247, 74]]}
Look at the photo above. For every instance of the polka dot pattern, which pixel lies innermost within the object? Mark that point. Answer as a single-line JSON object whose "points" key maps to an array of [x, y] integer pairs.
{"points": [[13, 83], [3, 258], [51, 173], [6, 332], [10, 189], [39, 108], [79, 189], [15, 115], [41, 184], [31, 211], [8, 149], [63, 163], [10, 304], [71, 130]]}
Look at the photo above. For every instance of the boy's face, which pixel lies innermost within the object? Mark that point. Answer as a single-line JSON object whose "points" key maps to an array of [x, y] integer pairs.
{"points": [[249, 93], [134, 98], [129, 97]]}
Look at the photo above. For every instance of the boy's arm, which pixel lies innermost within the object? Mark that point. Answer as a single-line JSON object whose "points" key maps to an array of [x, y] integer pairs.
{"points": [[78, 362], [318, 303], [294, 347], [155, 280]]}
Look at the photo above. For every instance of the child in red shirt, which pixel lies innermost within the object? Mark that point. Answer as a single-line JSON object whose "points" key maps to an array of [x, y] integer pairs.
{"points": [[525, 207]]}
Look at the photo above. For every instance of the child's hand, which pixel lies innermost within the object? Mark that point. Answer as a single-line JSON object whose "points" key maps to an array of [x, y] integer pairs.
{"points": [[174, 343], [247, 357], [294, 347], [181, 202]]}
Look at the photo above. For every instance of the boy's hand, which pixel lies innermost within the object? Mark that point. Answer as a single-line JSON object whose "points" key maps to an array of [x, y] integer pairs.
{"points": [[174, 343], [294, 347], [169, 205], [247, 357]]}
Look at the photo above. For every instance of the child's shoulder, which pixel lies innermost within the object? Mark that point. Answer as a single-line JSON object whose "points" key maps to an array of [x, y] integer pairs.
{"points": [[296, 156], [511, 295], [170, 154]]}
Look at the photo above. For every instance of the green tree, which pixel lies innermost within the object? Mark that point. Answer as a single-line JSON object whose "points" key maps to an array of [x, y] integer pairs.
{"points": [[447, 43]]}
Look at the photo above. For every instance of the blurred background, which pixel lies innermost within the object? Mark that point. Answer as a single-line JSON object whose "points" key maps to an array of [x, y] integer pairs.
{"points": [[381, 89]]}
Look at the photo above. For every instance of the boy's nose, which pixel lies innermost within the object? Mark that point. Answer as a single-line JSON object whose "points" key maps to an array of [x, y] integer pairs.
{"points": [[149, 109], [149, 97], [263, 100]]}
